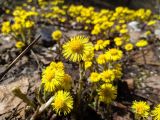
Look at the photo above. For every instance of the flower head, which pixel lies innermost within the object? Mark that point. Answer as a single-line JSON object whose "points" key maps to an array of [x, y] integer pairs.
{"points": [[141, 109], [128, 47], [6, 27], [66, 82], [56, 35], [88, 56], [63, 102], [156, 113], [52, 76], [114, 54], [77, 48], [94, 77], [108, 75], [101, 44], [20, 44], [107, 93], [87, 64], [102, 59], [118, 41], [142, 43]]}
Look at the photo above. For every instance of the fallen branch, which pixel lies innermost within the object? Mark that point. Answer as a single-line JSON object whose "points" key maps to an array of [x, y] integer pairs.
{"points": [[18, 57]]}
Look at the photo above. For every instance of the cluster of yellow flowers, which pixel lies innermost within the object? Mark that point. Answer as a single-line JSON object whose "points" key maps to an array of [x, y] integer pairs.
{"points": [[105, 21], [21, 25], [21, 21], [142, 110], [79, 47], [101, 57], [55, 80]]}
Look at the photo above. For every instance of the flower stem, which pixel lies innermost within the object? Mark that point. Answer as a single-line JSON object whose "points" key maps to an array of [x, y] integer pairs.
{"points": [[17, 92], [80, 82], [144, 58]]}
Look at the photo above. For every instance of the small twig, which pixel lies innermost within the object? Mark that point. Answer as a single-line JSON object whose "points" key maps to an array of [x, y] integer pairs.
{"points": [[18, 57]]}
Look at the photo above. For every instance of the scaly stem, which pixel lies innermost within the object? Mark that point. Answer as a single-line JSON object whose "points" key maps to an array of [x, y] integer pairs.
{"points": [[42, 108], [144, 58], [17, 92], [80, 82]]}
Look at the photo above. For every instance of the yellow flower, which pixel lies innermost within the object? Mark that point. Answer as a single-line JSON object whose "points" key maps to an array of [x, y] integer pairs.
{"points": [[88, 56], [88, 64], [118, 73], [29, 24], [16, 27], [123, 31], [57, 35], [77, 48], [142, 43], [152, 22], [156, 113], [128, 47], [94, 77], [102, 59], [66, 82], [62, 103], [141, 109], [52, 76], [108, 75], [114, 54], [118, 41], [6, 27], [20, 44], [7, 11], [101, 44], [107, 93]]}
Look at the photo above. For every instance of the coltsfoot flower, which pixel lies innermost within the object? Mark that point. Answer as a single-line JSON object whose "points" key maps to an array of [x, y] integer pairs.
{"points": [[118, 41], [141, 109], [6, 27], [20, 44], [52, 76], [114, 54], [63, 102], [77, 48], [128, 47], [142, 43], [101, 44], [156, 113], [94, 77], [108, 75], [87, 64], [102, 59], [88, 56], [57, 35], [66, 83], [107, 93]]}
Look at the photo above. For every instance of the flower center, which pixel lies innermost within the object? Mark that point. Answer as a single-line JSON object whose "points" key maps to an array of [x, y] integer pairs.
{"points": [[59, 103], [140, 110], [106, 93], [50, 76], [76, 46]]}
